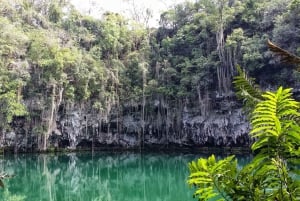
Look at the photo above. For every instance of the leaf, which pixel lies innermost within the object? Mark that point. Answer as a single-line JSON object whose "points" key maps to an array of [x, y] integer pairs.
{"points": [[261, 129], [202, 164], [285, 56], [246, 89], [259, 144], [277, 125], [212, 176], [199, 174]]}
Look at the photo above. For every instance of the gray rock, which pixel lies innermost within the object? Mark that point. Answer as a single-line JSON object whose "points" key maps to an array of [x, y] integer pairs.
{"points": [[224, 124]]}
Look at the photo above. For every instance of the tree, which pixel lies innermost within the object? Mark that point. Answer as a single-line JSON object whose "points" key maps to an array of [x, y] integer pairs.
{"points": [[287, 27], [13, 73], [49, 61]]}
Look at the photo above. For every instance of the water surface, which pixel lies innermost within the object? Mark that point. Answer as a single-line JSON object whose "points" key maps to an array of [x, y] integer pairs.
{"points": [[97, 177]]}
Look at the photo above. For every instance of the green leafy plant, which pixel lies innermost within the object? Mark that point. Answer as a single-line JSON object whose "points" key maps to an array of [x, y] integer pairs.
{"points": [[272, 174], [212, 177], [246, 89], [275, 124]]}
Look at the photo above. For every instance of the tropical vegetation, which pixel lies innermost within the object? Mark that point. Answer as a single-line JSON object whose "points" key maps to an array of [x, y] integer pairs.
{"points": [[55, 60]]}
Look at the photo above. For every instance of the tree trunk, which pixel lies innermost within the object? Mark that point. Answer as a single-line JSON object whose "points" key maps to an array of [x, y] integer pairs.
{"points": [[50, 121]]}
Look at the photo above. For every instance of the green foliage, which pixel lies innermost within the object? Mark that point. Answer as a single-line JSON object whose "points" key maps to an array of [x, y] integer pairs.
{"points": [[252, 53], [10, 104], [114, 35], [276, 108], [275, 125], [13, 41], [11, 107], [55, 12], [52, 56], [212, 177], [246, 89], [270, 175], [287, 29]]}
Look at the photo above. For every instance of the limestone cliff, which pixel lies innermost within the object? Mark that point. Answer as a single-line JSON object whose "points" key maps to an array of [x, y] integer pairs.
{"points": [[225, 124]]}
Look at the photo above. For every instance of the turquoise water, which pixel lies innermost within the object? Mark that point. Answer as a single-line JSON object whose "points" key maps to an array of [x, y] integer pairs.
{"points": [[97, 177]]}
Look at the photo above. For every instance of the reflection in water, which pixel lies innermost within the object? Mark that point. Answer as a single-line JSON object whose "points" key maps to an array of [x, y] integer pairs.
{"points": [[98, 177]]}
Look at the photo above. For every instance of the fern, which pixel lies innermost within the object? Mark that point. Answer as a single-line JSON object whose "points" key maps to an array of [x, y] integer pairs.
{"points": [[275, 127], [274, 123], [212, 177], [273, 173], [246, 89]]}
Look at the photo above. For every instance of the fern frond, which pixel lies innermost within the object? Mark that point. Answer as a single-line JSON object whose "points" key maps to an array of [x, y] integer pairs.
{"points": [[210, 177], [246, 89], [274, 122]]}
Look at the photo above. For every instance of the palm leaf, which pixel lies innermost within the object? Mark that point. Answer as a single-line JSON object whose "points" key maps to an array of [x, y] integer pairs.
{"points": [[285, 56]]}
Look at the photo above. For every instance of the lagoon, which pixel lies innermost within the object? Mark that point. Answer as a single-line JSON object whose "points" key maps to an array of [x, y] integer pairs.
{"points": [[99, 176]]}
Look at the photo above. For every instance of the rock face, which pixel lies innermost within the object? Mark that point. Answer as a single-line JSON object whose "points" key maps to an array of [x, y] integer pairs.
{"points": [[224, 125]]}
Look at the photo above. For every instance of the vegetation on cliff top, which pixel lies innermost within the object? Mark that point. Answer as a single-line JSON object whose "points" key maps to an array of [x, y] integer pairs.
{"points": [[54, 59]]}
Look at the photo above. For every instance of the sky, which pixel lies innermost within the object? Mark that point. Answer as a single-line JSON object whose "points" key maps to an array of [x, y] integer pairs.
{"points": [[97, 7]]}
